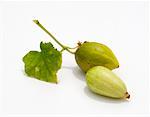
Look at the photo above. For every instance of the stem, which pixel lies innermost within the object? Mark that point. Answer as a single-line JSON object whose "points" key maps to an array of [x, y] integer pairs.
{"points": [[44, 29], [62, 50]]}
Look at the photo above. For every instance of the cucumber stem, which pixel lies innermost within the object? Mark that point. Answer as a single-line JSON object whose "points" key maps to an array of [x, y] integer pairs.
{"points": [[44, 29]]}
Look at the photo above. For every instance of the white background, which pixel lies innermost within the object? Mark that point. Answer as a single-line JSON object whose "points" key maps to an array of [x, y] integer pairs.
{"points": [[123, 26]]}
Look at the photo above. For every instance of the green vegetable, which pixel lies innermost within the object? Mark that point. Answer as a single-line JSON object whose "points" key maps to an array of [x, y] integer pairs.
{"points": [[92, 58], [92, 54], [45, 64], [103, 81]]}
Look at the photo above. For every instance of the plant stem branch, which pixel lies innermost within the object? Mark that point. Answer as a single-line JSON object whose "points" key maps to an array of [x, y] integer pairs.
{"points": [[44, 29]]}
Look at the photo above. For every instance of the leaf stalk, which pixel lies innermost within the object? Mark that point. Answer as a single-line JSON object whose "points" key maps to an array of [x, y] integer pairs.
{"points": [[45, 30]]}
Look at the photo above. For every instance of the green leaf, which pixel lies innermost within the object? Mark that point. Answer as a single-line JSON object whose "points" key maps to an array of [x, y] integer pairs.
{"points": [[43, 65]]}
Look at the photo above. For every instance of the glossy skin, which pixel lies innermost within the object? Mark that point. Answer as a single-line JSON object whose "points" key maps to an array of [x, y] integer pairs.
{"points": [[103, 81], [92, 54]]}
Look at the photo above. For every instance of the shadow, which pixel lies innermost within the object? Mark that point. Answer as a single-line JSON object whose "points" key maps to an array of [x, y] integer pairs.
{"points": [[101, 98], [24, 73], [76, 72]]}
